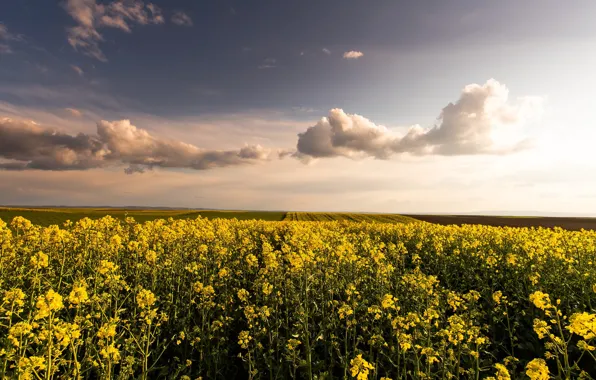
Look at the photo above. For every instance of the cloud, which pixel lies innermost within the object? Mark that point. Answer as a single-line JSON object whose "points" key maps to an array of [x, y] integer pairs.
{"points": [[268, 63], [353, 54], [5, 37], [326, 51], [33, 147], [77, 70], [5, 49], [27, 145], [74, 112], [181, 18], [119, 14], [465, 127]]}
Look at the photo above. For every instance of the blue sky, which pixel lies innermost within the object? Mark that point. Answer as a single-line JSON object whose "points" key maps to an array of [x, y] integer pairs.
{"points": [[220, 74]]}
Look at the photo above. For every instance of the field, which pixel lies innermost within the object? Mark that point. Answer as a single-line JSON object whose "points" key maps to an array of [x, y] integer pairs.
{"points": [[568, 223], [223, 299], [49, 216], [352, 217]]}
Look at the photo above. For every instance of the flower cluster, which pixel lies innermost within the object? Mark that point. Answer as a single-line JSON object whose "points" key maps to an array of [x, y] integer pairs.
{"points": [[259, 300]]}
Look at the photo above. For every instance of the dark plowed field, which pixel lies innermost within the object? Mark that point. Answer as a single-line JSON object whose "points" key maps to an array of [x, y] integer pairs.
{"points": [[567, 223]]}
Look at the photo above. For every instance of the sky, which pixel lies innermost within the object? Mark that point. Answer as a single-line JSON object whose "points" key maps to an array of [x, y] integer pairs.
{"points": [[455, 106]]}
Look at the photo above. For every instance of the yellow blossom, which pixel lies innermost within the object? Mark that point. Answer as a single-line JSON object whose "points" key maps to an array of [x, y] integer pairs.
{"points": [[145, 298], [360, 368], [537, 370]]}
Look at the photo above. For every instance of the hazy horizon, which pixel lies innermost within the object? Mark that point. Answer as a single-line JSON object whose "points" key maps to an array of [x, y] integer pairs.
{"points": [[397, 107]]}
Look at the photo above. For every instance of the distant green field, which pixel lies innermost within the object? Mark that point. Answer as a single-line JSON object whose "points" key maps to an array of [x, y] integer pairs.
{"points": [[354, 217], [49, 216], [58, 216]]}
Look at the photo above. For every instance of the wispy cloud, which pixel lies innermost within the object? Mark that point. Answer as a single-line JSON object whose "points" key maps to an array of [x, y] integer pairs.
{"points": [[91, 17], [268, 63], [464, 127], [74, 112], [326, 51], [6, 37], [5, 49], [77, 70], [352, 54], [181, 18]]}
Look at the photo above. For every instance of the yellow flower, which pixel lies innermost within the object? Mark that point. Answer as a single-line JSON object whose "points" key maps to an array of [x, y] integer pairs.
{"points": [[145, 298], [111, 353], [345, 311], [151, 257], [502, 372], [106, 267], [540, 300], [47, 304], [497, 297], [293, 343], [78, 295], [267, 288], [14, 297], [584, 346], [18, 331], [583, 324], [244, 339], [388, 301], [252, 260], [360, 368], [537, 370], [39, 260], [541, 328], [223, 272], [106, 331], [243, 295]]}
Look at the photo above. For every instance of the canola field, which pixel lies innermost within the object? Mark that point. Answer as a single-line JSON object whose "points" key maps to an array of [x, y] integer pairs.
{"points": [[353, 217], [54, 215], [228, 299]]}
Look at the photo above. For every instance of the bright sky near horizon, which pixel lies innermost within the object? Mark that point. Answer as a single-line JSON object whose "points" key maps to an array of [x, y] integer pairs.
{"points": [[336, 105]]}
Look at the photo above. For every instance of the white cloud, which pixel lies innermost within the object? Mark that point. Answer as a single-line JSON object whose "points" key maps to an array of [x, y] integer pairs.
{"points": [[119, 14], [181, 18], [465, 127], [326, 51], [353, 54]]}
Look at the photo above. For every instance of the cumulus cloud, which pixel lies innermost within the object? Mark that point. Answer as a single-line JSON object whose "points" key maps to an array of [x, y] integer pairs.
{"points": [[33, 147], [465, 127], [326, 51], [353, 54], [91, 16], [181, 18], [27, 145]]}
